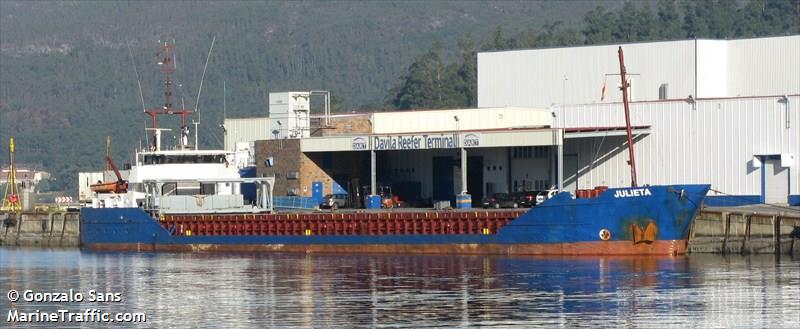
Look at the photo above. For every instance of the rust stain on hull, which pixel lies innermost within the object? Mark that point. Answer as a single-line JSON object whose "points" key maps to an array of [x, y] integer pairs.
{"points": [[595, 248]]}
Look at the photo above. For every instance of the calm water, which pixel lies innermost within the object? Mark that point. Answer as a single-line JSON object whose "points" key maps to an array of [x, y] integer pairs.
{"points": [[298, 290]]}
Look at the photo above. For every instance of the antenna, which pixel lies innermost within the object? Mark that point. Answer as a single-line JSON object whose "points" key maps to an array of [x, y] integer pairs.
{"points": [[199, 90], [167, 62], [224, 103], [175, 56], [202, 79], [138, 81], [224, 109]]}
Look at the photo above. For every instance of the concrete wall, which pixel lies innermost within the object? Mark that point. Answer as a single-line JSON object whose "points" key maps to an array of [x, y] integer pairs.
{"points": [[708, 233], [40, 229]]}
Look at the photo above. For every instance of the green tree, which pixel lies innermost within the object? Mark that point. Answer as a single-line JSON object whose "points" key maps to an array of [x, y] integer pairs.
{"points": [[724, 19], [696, 18], [669, 24], [598, 26], [633, 24], [498, 41], [428, 83], [467, 77], [769, 17]]}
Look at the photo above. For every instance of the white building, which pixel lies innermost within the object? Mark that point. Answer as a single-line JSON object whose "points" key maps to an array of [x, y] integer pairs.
{"points": [[723, 112]]}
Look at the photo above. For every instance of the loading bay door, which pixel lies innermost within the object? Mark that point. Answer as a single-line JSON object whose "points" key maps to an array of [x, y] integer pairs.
{"points": [[776, 182]]}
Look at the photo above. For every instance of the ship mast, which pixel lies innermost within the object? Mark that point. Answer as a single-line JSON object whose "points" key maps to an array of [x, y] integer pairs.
{"points": [[632, 161], [166, 59]]}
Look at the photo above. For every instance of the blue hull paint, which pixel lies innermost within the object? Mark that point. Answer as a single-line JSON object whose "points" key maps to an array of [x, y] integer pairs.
{"points": [[558, 220], [732, 200]]}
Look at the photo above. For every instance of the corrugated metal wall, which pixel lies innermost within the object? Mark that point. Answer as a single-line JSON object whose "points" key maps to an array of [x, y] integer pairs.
{"points": [[711, 141], [469, 119], [764, 66], [245, 130], [701, 68], [535, 78], [712, 69]]}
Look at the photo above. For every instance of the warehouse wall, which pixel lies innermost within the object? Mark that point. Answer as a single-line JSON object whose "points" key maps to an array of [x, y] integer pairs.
{"points": [[712, 141], [701, 68], [535, 78], [468, 119], [245, 130], [764, 66]]}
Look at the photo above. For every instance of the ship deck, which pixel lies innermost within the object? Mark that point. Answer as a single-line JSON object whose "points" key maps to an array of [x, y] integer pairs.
{"points": [[346, 222]]}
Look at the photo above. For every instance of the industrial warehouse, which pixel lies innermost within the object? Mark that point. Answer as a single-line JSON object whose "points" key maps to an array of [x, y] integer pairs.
{"points": [[723, 112]]}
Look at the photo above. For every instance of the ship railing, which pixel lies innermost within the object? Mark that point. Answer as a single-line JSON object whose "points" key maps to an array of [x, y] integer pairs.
{"points": [[294, 202], [264, 188]]}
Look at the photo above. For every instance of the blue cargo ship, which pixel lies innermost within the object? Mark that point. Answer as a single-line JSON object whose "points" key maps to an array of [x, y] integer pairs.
{"points": [[652, 220]]}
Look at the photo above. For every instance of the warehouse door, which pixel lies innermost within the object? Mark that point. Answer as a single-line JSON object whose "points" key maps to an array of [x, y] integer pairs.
{"points": [[475, 179], [776, 182], [570, 172], [443, 178]]}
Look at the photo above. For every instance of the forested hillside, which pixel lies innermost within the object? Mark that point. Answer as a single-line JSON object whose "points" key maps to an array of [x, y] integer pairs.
{"points": [[68, 70]]}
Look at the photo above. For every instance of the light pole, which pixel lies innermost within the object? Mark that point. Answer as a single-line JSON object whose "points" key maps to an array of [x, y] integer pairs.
{"points": [[463, 156], [560, 119], [463, 200]]}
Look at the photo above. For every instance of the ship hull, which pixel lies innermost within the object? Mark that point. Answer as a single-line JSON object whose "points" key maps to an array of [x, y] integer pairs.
{"points": [[595, 248], [653, 220]]}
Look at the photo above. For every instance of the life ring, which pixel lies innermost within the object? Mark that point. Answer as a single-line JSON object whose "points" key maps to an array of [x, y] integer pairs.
{"points": [[604, 234]]}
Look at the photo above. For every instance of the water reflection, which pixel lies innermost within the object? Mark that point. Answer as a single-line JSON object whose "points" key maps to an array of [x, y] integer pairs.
{"points": [[299, 290]]}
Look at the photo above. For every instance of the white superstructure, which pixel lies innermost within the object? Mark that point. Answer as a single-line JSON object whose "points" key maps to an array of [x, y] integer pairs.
{"points": [[188, 181]]}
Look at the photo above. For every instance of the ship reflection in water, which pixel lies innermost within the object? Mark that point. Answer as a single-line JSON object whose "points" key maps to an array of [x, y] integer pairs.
{"points": [[299, 290]]}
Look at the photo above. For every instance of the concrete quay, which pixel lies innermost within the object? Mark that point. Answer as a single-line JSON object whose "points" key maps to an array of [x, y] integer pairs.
{"points": [[757, 229], [40, 229]]}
